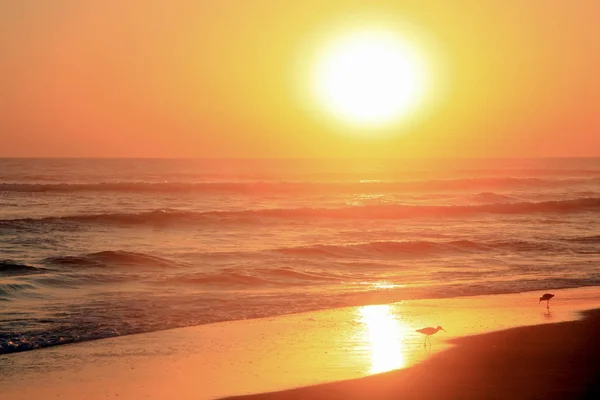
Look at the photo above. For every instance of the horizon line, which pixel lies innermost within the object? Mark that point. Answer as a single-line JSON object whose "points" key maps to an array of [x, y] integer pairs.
{"points": [[298, 158]]}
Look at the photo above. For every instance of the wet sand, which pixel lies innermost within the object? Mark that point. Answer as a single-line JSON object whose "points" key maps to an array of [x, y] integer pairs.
{"points": [[338, 345], [554, 361]]}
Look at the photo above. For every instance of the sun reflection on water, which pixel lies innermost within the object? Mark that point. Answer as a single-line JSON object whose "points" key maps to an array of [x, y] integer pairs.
{"points": [[384, 334]]}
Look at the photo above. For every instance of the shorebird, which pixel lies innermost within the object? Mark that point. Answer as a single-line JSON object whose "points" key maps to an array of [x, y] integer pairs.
{"points": [[428, 332], [546, 297]]}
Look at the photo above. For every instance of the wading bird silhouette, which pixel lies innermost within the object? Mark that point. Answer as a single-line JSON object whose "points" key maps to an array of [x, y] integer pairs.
{"points": [[428, 332], [546, 297]]}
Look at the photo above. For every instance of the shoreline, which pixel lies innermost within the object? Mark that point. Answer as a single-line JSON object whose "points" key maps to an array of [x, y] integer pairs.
{"points": [[273, 354], [19, 348]]}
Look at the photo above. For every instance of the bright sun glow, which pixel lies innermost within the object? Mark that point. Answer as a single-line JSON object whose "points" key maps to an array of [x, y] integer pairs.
{"points": [[385, 335], [369, 78]]}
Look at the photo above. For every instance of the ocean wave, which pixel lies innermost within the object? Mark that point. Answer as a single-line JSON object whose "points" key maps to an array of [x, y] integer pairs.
{"points": [[257, 277], [303, 275], [412, 248], [78, 280], [8, 290], [13, 268], [267, 187], [105, 259], [382, 248], [163, 217], [230, 279], [488, 197], [584, 239]]}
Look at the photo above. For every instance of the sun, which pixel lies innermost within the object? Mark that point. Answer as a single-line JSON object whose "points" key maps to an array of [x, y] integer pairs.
{"points": [[369, 78]]}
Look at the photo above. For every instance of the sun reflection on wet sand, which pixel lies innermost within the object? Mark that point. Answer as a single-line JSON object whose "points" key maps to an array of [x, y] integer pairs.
{"points": [[384, 336]]}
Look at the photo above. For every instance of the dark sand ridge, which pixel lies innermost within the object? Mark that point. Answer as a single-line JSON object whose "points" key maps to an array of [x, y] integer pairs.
{"points": [[550, 361]]}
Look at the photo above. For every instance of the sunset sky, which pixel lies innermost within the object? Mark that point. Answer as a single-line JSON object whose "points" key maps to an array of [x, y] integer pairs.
{"points": [[189, 78]]}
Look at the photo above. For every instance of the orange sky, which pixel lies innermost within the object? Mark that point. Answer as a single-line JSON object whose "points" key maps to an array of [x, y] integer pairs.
{"points": [[188, 78]]}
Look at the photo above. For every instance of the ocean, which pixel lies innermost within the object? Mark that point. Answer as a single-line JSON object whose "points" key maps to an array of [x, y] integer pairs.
{"points": [[94, 248]]}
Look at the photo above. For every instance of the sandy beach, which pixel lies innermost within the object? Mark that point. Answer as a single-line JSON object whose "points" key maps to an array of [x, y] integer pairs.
{"points": [[556, 361], [339, 345]]}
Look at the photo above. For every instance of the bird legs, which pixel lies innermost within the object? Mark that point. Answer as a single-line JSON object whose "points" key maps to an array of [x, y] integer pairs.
{"points": [[427, 339]]}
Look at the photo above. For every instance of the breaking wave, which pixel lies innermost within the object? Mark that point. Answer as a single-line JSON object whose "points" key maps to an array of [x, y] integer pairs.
{"points": [[163, 217]]}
